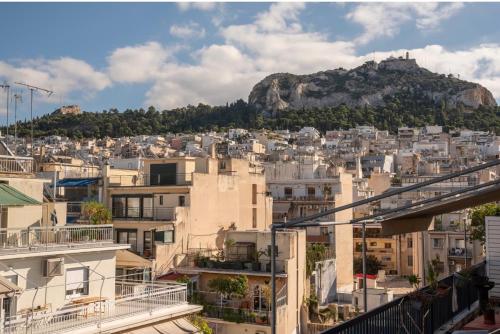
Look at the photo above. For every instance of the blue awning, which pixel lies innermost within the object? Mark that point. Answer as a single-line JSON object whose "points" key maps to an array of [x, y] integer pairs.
{"points": [[77, 182]]}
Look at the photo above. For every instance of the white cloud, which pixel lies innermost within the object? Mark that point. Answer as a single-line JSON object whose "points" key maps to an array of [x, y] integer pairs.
{"points": [[64, 76], [137, 63], [204, 6], [190, 30], [276, 42], [385, 19]]}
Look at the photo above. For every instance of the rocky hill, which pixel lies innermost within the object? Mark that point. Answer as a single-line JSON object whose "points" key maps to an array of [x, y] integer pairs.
{"points": [[367, 85]]}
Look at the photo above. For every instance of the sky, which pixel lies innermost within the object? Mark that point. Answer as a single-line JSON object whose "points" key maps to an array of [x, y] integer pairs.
{"points": [[133, 55]]}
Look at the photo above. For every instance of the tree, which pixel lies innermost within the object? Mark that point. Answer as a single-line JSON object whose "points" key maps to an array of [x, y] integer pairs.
{"points": [[96, 213], [373, 265], [314, 253], [229, 286], [477, 226]]}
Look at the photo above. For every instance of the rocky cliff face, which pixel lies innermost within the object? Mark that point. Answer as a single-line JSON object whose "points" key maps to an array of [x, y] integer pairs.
{"points": [[368, 84]]}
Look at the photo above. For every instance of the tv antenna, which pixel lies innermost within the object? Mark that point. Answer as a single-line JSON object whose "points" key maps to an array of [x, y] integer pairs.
{"points": [[7, 88], [33, 89], [17, 98]]}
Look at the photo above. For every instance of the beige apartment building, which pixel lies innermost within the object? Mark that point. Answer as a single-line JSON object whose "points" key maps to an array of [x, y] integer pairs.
{"points": [[183, 203], [246, 253], [61, 278], [309, 186]]}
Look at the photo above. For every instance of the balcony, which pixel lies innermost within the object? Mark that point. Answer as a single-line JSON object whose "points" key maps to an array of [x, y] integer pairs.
{"points": [[16, 165], [305, 199], [237, 315], [145, 213], [135, 303], [403, 315], [459, 252], [203, 260], [49, 238], [178, 179]]}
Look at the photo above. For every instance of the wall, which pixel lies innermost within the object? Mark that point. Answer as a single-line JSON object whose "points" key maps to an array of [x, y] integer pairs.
{"points": [[30, 277]]}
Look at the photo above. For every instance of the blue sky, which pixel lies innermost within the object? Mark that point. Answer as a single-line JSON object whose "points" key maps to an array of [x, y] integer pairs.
{"points": [[132, 55]]}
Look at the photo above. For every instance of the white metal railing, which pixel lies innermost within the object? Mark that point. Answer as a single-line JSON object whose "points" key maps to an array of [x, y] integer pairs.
{"points": [[16, 165], [34, 238], [135, 299]]}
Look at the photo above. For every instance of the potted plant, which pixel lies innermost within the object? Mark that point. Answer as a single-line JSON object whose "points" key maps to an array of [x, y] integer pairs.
{"points": [[489, 315]]}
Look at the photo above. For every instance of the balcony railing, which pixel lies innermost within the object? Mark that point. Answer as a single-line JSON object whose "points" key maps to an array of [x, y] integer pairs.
{"points": [[132, 299], [237, 315], [16, 165], [401, 315], [178, 179], [459, 252], [310, 198], [144, 213], [34, 239]]}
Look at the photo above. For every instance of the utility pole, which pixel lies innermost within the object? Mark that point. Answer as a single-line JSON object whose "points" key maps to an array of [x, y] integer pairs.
{"points": [[7, 88], [32, 89]]}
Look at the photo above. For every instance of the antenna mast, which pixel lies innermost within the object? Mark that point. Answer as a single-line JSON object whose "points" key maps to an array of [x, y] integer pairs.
{"points": [[7, 88], [17, 98], [33, 89]]}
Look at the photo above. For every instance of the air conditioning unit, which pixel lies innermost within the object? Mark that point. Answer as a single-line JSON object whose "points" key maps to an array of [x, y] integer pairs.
{"points": [[53, 267]]}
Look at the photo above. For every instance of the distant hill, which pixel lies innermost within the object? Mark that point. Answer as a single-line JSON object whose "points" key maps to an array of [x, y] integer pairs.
{"points": [[393, 93], [370, 84]]}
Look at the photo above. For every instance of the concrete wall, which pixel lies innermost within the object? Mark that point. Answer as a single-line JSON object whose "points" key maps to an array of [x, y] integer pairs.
{"points": [[54, 297]]}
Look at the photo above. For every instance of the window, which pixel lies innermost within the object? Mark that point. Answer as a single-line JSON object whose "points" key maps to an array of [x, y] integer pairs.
{"points": [[269, 250], [323, 230], [77, 282], [163, 174], [254, 217], [148, 243], [254, 194], [161, 199], [410, 261], [311, 191], [388, 245], [288, 192], [166, 237], [182, 201], [127, 237], [133, 207], [373, 244], [137, 206], [259, 299], [437, 243], [409, 242]]}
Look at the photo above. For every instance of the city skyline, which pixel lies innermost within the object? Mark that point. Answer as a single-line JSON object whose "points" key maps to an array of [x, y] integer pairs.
{"points": [[169, 55]]}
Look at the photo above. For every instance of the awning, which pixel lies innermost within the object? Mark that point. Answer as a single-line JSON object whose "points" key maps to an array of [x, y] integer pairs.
{"points": [[7, 286], [125, 258], [178, 326], [77, 182], [281, 207], [10, 196], [420, 218]]}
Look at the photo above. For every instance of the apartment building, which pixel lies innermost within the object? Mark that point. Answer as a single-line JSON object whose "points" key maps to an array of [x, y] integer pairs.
{"points": [[247, 254], [305, 187], [61, 278], [182, 203]]}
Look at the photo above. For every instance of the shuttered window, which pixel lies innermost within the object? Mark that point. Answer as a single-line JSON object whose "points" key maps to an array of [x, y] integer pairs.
{"points": [[77, 282]]}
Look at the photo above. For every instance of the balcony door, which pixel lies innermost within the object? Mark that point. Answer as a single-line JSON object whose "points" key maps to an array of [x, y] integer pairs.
{"points": [[163, 174]]}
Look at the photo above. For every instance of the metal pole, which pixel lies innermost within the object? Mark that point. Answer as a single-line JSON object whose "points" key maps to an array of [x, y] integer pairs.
{"points": [[465, 244], [273, 279], [8, 95], [365, 291], [31, 114]]}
